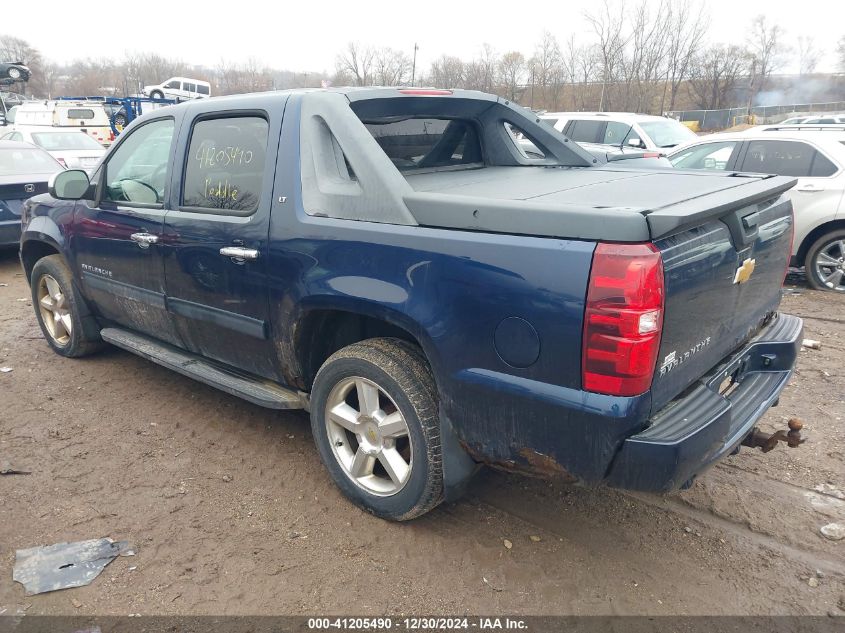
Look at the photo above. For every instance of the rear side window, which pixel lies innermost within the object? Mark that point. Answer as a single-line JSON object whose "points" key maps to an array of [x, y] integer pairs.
{"points": [[225, 164], [822, 166], [80, 113], [585, 131], [784, 158], [203, 90], [420, 143]]}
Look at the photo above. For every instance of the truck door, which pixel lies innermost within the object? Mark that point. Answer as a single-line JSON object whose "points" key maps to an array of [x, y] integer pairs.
{"points": [[116, 239], [216, 235]]}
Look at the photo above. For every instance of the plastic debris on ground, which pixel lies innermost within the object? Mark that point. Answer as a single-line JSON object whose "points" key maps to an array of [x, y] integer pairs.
{"points": [[65, 565]]}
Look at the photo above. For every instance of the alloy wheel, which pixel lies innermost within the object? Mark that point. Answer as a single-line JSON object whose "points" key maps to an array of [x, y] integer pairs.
{"points": [[829, 265], [55, 311], [369, 436]]}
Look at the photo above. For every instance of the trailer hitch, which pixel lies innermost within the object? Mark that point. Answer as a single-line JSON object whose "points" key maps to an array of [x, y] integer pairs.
{"points": [[768, 441]]}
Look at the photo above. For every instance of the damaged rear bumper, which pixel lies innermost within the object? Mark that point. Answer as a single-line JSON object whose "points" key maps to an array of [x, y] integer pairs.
{"points": [[694, 431]]}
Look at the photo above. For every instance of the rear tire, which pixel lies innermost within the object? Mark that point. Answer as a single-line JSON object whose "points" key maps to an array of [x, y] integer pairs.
{"points": [[374, 415], [825, 262], [67, 323]]}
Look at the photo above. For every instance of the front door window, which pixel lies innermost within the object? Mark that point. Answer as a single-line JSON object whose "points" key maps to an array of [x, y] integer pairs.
{"points": [[137, 171]]}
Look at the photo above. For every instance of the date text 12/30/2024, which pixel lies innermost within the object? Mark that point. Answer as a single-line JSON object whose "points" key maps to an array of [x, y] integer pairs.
{"points": [[418, 624]]}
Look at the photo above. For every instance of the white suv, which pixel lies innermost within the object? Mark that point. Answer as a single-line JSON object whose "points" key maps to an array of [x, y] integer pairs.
{"points": [[621, 129], [179, 88], [817, 158]]}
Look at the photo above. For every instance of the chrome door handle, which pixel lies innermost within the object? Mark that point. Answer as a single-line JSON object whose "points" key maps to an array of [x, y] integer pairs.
{"points": [[144, 239], [239, 252]]}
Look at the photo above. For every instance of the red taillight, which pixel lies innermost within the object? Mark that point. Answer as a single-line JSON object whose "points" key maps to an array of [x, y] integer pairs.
{"points": [[623, 319], [425, 91], [791, 244]]}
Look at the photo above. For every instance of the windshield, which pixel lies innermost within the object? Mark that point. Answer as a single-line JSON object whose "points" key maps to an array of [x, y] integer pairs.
{"points": [[52, 141], [22, 161], [667, 132]]}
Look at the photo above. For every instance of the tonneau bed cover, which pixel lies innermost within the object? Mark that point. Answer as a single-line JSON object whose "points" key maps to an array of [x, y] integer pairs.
{"points": [[602, 203]]}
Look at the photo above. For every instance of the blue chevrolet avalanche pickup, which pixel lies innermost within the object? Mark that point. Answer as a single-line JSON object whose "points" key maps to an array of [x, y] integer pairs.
{"points": [[395, 263]]}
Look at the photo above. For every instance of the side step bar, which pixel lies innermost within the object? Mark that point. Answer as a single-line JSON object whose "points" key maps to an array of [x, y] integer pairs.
{"points": [[255, 390]]}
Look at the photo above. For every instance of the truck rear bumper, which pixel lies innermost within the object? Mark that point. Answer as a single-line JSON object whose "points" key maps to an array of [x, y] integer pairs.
{"points": [[693, 432]]}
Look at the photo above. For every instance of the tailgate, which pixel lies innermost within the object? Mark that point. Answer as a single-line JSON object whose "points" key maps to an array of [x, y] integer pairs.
{"points": [[723, 282]]}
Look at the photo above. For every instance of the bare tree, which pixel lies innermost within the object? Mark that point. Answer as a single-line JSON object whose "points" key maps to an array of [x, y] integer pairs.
{"points": [[480, 73], [546, 66], [447, 72], [808, 54], [240, 78], [608, 26], [391, 67], [840, 52], [644, 59], [685, 32], [715, 74], [356, 62], [511, 74], [764, 43]]}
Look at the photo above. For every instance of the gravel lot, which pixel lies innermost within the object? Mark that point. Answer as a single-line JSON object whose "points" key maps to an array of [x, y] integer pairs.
{"points": [[231, 511]]}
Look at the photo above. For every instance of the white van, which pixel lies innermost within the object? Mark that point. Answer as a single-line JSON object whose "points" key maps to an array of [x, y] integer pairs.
{"points": [[87, 116], [179, 88]]}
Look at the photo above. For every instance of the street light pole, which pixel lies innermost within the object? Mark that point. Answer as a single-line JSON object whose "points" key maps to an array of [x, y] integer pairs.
{"points": [[414, 65]]}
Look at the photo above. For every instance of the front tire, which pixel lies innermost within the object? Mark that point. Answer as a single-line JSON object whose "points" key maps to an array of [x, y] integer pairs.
{"points": [[374, 415], [156, 94], [65, 320], [825, 262]]}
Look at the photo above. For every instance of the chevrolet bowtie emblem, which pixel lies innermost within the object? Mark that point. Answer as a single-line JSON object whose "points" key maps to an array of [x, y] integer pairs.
{"points": [[743, 273]]}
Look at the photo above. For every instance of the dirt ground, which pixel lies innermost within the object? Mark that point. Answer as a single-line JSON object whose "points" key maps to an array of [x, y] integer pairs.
{"points": [[231, 511]]}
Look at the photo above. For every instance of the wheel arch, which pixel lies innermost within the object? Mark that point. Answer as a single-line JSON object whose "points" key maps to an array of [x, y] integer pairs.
{"points": [[34, 249], [815, 234], [321, 330]]}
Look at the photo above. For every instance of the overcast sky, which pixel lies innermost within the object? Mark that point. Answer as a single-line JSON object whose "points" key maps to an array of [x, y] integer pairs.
{"points": [[306, 35]]}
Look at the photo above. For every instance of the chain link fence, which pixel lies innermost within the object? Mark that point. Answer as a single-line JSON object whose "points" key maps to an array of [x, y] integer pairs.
{"points": [[711, 120]]}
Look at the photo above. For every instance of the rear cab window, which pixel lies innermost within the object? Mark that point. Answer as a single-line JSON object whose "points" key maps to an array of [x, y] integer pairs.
{"points": [[80, 113], [224, 168], [420, 143]]}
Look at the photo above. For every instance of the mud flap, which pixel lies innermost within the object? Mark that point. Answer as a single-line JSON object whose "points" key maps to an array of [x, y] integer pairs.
{"points": [[458, 467]]}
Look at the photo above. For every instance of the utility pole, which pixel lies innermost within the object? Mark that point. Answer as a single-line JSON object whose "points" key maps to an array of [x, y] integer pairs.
{"points": [[414, 65]]}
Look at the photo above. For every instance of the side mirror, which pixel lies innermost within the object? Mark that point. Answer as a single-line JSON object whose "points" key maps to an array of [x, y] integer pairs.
{"points": [[72, 184], [635, 142]]}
